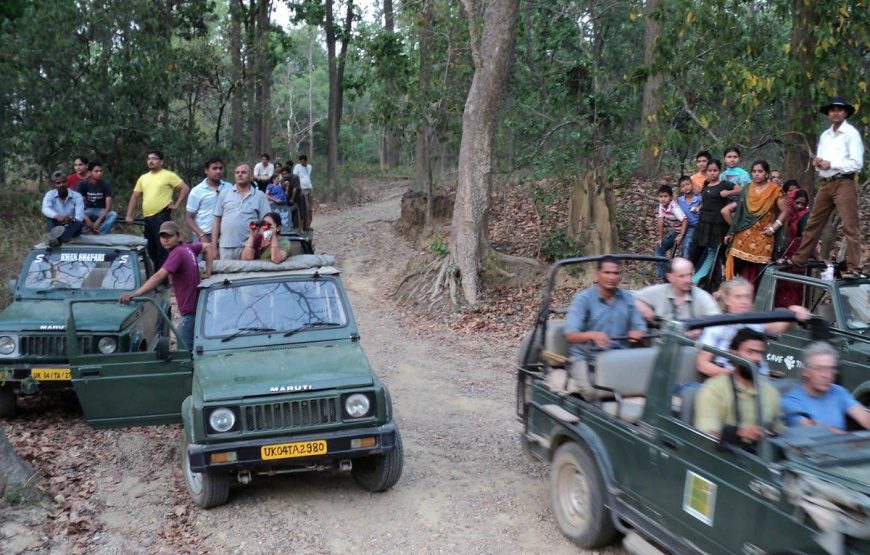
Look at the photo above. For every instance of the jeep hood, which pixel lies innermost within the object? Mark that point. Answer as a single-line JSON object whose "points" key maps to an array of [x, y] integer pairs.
{"points": [[280, 370], [829, 478], [39, 315]]}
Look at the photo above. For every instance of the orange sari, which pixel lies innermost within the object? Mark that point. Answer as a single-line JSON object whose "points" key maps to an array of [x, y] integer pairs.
{"points": [[750, 243]]}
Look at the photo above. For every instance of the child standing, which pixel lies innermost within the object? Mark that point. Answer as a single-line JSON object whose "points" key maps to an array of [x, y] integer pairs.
{"points": [[671, 226], [690, 204], [733, 172]]}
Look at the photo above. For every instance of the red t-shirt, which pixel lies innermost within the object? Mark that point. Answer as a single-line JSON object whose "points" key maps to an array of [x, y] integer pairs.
{"points": [[184, 269], [73, 180]]}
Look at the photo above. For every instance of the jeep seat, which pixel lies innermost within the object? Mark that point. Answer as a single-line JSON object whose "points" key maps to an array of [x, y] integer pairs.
{"points": [[625, 372], [683, 399], [555, 346]]}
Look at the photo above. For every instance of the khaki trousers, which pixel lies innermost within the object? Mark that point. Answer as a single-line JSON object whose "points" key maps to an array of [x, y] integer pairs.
{"points": [[841, 194]]}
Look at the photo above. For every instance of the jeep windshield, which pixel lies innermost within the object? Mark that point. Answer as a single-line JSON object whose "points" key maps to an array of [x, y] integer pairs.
{"points": [[856, 302], [50, 271], [272, 307]]}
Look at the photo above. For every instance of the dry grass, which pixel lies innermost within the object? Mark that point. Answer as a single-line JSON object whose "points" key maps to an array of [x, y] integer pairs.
{"points": [[23, 226]]}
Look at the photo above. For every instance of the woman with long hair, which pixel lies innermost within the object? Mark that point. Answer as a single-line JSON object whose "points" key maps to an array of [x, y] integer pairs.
{"points": [[756, 224], [711, 229]]}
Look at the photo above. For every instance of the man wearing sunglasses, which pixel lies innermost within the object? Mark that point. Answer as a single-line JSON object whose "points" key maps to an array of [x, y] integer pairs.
{"points": [[181, 264]]}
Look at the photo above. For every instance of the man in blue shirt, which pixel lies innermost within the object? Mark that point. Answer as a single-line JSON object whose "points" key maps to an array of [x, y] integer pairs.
{"points": [[64, 212], [825, 402], [203, 198], [597, 316], [690, 203]]}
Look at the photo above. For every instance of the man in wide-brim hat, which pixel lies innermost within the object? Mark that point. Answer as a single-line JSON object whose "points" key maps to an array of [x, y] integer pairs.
{"points": [[839, 159]]}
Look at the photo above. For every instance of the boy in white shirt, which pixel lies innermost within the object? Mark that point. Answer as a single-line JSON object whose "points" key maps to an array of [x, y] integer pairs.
{"points": [[303, 171], [671, 224]]}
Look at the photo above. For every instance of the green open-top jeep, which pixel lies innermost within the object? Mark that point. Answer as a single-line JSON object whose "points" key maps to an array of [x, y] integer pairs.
{"points": [[633, 464], [277, 382], [32, 337], [844, 304]]}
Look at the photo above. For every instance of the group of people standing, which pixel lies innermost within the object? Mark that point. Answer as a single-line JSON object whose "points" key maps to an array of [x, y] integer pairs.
{"points": [[746, 220], [286, 188]]}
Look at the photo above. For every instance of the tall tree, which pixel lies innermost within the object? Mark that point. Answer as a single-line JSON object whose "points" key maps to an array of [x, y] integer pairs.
{"points": [[422, 157], [336, 63], [491, 52], [388, 151], [236, 75], [651, 151]]}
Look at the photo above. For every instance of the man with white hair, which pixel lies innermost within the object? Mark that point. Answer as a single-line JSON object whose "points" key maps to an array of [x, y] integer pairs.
{"points": [[818, 401], [678, 299]]}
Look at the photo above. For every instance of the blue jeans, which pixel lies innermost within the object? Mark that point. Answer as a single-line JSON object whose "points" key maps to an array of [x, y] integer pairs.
{"points": [[687, 242], [94, 214], [663, 250], [186, 329], [73, 229]]}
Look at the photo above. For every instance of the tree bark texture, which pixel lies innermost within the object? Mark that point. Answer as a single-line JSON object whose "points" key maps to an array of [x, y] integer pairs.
{"points": [[800, 114], [336, 78], [651, 151], [590, 214], [421, 156], [389, 152], [491, 52]]}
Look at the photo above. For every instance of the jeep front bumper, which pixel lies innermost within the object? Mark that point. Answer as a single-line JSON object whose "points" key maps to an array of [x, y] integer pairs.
{"points": [[248, 453], [21, 376]]}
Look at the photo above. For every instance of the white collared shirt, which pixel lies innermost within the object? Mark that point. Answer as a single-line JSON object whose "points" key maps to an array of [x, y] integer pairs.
{"points": [[843, 148]]}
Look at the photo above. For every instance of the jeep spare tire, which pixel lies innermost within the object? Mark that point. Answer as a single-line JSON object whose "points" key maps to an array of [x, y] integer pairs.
{"points": [[577, 498], [377, 473], [207, 489]]}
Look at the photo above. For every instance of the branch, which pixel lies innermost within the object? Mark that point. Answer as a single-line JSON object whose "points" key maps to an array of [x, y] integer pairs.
{"points": [[471, 15], [697, 120]]}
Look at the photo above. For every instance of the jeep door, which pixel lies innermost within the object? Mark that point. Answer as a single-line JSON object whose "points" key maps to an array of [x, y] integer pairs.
{"points": [[130, 389]]}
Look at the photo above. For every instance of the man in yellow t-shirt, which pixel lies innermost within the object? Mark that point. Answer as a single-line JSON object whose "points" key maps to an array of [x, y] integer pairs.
{"points": [[155, 189]]}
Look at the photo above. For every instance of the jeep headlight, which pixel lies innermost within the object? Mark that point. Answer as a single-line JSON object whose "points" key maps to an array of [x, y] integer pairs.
{"points": [[222, 420], [7, 345], [357, 405], [107, 345]]}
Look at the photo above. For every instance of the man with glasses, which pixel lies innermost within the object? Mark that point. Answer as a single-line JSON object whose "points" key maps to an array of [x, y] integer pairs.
{"points": [[203, 198], [64, 211], [155, 188], [181, 264], [818, 401], [237, 206]]}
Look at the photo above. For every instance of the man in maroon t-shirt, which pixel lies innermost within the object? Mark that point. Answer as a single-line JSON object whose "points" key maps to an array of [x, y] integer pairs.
{"points": [[182, 266]]}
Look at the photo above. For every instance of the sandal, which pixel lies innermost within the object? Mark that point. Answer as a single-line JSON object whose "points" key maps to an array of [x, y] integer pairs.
{"points": [[789, 262], [852, 275]]}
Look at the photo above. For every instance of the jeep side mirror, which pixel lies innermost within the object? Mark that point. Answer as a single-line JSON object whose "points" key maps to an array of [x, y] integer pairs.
{"points": [[11, 284], [162, 348]]}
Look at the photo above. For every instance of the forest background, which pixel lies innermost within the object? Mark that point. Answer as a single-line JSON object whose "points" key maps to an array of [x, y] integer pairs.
{"points": [[582, 93]]}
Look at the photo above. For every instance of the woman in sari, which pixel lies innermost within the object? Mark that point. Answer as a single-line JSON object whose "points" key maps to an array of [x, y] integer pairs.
{"points": [[789, 292], [756, 223]]}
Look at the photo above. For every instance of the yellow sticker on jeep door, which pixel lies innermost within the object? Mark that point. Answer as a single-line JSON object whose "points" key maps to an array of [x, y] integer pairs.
{"points": [[699, 497]]}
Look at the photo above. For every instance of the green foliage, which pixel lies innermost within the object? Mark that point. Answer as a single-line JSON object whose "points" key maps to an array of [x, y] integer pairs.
{"points": [[558, 245], [439, 246]]}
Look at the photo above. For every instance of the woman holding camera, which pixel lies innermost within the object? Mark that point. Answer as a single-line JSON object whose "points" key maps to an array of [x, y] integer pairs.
{"points": [[265, 242]]}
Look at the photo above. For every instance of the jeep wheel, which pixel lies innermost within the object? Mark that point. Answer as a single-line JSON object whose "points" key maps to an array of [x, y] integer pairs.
{"points": [[207, 489], [377, 473], [8, 403], [577, 498]]}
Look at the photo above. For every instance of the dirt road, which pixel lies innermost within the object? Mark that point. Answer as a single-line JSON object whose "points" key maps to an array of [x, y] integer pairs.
{"points": [[466, 487]]}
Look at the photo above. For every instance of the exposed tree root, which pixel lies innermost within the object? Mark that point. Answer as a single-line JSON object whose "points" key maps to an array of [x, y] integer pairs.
{"points": [[430, 282]]}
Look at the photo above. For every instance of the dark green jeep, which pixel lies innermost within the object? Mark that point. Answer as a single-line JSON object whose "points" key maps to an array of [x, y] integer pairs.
{"points": [[32, 337], [844, 304], [277, 382], [632, 464]]}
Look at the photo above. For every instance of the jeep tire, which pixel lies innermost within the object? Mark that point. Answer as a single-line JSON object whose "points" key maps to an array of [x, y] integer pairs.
{"points": [[207, 489], [577, 498], [377, 473], [8, 402]]}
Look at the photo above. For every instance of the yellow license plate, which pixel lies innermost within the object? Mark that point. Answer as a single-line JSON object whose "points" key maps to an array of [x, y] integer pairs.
{"points": [[291, 450], [51, 374]]}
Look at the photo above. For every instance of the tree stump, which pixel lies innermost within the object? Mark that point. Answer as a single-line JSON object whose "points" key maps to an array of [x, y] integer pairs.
{"points": [[17, 477]]}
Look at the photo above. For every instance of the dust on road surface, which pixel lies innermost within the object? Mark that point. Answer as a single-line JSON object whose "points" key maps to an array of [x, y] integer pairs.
{"points": [[466, 487]]}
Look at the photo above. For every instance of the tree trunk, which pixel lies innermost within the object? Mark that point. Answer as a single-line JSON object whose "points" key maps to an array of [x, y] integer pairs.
{"points": [[311, 36], [16, 475], [236, 76], [799, 138], [590, 215], [491, 52], [422, 159], [336, 96], [389, 150], [265, 77], [651, 151]]}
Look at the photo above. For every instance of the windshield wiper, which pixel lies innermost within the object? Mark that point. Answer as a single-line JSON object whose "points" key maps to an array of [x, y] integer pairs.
{"points": [[312, 325], [240, 331], [54, 288]]}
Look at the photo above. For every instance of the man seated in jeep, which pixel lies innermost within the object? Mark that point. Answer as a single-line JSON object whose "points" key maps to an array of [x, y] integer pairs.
{"points": [[601, 317], [678, 299], [715, 410], [818, 397]]}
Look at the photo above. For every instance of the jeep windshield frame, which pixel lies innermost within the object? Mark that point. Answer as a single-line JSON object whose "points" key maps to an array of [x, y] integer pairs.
{"points": [[272, 306], [93, 272]]}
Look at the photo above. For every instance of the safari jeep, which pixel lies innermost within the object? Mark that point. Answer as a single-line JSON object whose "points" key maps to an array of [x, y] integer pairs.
{"points": [[844, 304], [32, 337], [277, 382], [632, 464]]}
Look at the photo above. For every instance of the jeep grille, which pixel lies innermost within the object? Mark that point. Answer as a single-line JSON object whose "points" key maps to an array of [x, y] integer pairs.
{"points": [[291, 414], [51, 345]]}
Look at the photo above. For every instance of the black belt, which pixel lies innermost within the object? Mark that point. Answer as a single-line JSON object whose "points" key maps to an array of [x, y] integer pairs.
{"points": [[838, 176]]}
